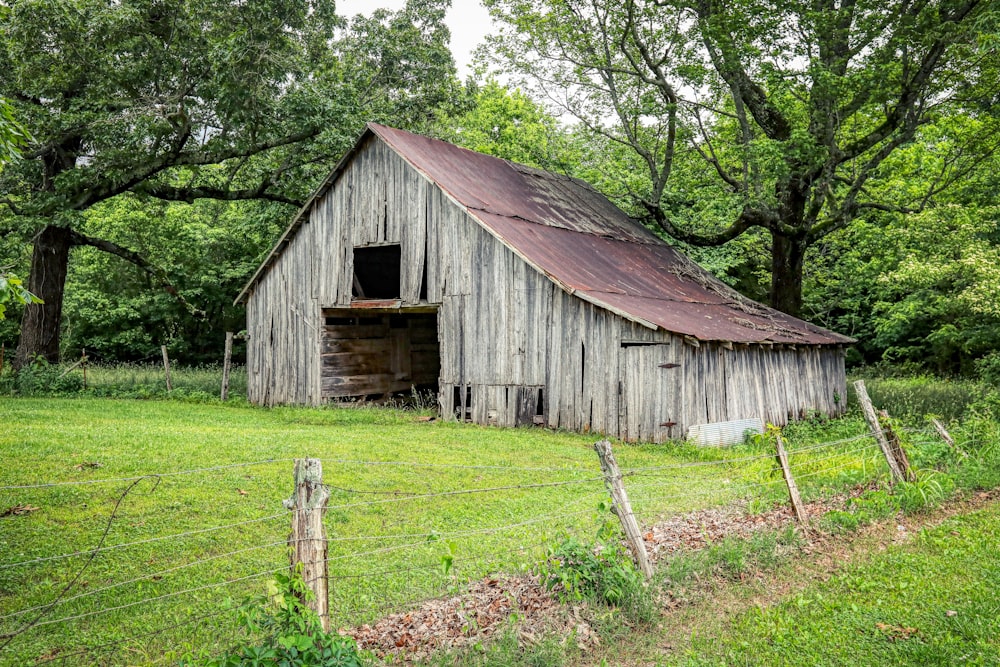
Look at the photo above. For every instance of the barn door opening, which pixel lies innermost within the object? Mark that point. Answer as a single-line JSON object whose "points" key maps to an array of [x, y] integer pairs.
{"points": [[375, 354]]}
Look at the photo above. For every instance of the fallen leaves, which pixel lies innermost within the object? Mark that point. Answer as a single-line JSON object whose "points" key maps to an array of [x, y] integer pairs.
{"points": [[895, 632], [18, 510], [461, 619]]}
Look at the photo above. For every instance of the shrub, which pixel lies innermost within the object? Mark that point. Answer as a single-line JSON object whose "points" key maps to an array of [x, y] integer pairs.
{"points": [[287, 633], [40, 378], [603, 573]]}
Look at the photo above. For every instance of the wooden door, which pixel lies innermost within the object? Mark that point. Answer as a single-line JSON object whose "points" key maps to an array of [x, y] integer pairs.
{"points": [[652, 393]]}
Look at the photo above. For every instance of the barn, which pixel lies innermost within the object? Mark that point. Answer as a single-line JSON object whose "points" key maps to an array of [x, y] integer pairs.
{"points": [[518, 297]]}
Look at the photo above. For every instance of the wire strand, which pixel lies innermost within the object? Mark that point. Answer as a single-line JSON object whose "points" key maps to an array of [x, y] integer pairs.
{"points": [[138, 477]]}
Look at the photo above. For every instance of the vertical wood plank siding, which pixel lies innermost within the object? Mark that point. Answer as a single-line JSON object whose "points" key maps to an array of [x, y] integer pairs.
{"points": [[507, 333]]}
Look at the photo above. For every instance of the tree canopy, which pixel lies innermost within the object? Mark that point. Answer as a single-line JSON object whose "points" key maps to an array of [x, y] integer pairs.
{"points": [[785, 111], [187, 99]]}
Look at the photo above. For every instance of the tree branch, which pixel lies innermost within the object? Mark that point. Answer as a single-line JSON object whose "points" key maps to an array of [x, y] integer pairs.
{"points": [[749, 217], [190, 194], [78, 239]]}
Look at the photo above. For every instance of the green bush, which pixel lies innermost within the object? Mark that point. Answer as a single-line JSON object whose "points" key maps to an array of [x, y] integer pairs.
{"points": [[40, 378], [988, 368], [283, 631], [603, 573]]}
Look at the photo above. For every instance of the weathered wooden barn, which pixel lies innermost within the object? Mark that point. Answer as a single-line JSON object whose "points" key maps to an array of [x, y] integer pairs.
{"points": [[519, 297]]}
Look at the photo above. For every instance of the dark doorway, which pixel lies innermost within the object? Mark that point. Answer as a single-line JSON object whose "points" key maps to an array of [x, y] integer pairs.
{"points": [[377, 353]]}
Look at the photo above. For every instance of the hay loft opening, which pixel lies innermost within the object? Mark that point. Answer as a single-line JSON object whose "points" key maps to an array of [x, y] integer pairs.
{"points": [[377, 272]]}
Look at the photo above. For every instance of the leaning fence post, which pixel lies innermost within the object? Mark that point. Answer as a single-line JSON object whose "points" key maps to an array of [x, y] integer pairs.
{"points": [[308, 539], [621, 506], [943, 432], [793, 489], [226, 361], [873, 423], [166, 365], [896, 446]]}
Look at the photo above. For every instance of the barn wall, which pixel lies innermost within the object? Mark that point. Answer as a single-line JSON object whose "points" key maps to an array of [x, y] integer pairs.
{"points": [[283, 327], [670, 385]]}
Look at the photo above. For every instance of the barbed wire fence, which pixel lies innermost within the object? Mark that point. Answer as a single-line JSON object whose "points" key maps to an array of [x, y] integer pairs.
{"points": [[396, 536]]}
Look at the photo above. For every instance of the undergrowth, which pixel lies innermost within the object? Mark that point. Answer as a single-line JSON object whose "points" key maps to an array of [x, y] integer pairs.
{"points": [[281, 630], [600, 572]]}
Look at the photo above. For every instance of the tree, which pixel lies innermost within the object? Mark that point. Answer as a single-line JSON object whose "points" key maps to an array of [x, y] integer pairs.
{"points": [[510, 125], [782, 111], [13, 136], [187, 99]]}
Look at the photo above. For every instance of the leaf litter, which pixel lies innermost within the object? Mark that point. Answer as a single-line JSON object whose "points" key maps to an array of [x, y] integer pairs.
{"points": [[486, 607]]}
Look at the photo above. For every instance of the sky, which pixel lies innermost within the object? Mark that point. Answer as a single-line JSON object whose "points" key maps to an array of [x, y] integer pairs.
{"points": [[467, 19]]}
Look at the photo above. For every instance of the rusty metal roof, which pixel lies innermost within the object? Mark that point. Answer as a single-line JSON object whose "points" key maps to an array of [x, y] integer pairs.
{"points": [[591, 248], [579, 239]]}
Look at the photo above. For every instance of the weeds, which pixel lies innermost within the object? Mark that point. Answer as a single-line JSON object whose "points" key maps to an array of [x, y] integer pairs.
{"points": [[601, 572], [282, 630]]}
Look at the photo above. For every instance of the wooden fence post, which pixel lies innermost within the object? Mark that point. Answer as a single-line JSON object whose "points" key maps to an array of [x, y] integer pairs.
{"points": [[897, 447], [308, 539], [943, 432], [793, 489], [621, 506], [876, 427], [166, 366], [226, 360]]}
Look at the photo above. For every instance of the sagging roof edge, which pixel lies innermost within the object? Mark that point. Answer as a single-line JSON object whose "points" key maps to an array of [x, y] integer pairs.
{"points": [[296, 222]]}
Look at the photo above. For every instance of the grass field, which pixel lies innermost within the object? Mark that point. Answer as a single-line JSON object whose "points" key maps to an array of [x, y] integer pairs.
{"points": [[930, 602], [192, 543]]}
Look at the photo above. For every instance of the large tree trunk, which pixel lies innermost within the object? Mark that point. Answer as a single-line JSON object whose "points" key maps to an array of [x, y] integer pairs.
{"points": [[787, 257], [41, 321]]}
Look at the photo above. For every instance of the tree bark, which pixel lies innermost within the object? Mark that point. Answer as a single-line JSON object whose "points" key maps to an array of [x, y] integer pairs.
{"points": [[787, 259], [47, 280]]}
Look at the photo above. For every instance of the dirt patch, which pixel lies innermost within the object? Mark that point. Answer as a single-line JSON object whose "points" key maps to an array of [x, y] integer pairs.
{"points": [[696, 530]]}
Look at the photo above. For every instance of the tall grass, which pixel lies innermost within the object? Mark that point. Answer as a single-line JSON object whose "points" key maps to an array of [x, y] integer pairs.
{"points": [[921, 395], [125, 378]]}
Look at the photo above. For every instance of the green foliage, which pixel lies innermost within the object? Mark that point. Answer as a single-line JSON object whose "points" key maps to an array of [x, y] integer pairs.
{"points": [[510, 125], [13, 136], [602, 572], [40, 378], [284, 631], [12, 290]]}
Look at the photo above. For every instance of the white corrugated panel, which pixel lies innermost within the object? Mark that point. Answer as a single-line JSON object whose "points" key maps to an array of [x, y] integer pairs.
{"points": [[724, 433]]}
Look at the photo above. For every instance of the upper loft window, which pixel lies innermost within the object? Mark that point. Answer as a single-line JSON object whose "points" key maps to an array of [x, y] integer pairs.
{"points": [[376, 272]]}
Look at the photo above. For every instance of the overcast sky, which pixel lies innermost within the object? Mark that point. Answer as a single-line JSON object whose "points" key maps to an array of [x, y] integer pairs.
{"points": [[468, 20]]}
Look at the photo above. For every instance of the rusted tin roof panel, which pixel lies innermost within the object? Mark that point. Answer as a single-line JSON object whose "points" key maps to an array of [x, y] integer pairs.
{"points": [[485, 183], [654, 283]]}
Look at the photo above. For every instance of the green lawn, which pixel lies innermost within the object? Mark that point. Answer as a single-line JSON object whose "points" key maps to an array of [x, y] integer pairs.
{"points": [[933, 601], [385, 550]]}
